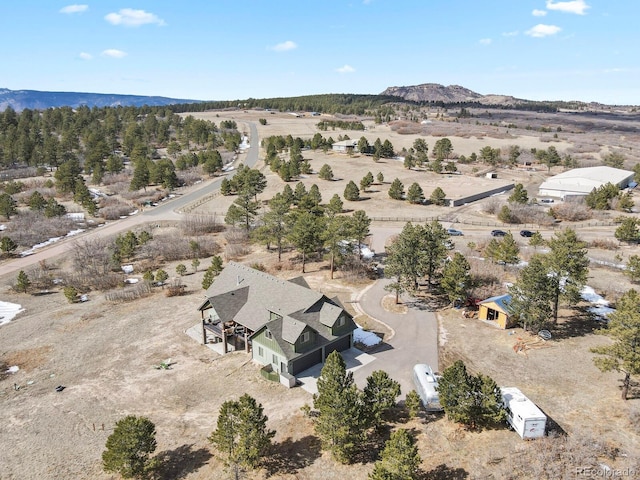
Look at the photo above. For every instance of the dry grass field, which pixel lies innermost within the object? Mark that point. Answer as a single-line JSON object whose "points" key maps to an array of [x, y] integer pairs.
{"points": [[104, 353]]}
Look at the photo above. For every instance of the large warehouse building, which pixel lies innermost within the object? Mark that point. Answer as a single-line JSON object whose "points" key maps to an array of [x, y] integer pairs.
{"points": [[581, 181]]}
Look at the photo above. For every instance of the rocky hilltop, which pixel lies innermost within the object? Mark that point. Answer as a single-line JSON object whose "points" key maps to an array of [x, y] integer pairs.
{"points": [[434, 92], [37, 100]]}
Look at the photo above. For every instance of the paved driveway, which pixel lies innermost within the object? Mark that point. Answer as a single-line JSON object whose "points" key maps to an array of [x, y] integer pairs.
{"points": [[415, 338]]}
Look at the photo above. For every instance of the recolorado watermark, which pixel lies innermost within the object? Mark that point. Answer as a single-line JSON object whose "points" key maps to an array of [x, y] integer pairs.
{"points": [[607, 472]]}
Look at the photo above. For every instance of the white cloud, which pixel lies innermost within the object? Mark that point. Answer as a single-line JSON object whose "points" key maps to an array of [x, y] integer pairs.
{"points": [[113, 53], [578, 7], [538, 13], [74, 9], [129, 17], [485, 41], [542, 30], [85, 56], [345, 69], [510, 34], [285, 46]]}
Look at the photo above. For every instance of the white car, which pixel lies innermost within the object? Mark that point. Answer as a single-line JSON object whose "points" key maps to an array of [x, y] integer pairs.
{"points": [[454, 233]]}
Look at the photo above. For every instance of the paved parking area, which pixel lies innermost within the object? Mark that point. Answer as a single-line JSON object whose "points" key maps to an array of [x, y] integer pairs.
{"points": [[355, 360]]}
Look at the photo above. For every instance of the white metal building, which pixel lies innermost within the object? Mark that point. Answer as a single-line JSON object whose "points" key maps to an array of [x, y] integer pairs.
{"points": [[580, 181]]}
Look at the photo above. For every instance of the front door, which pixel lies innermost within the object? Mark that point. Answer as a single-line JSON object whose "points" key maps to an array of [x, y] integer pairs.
{"points": [[283, 367]]}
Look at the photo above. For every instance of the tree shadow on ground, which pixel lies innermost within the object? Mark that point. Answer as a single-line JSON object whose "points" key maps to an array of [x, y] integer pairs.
{"points": [[289, 456], [444, 472], [181, 461], [581, 323]]}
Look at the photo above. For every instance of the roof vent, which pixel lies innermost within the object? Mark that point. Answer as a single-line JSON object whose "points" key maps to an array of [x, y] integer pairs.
{"points": [[239, 280]]}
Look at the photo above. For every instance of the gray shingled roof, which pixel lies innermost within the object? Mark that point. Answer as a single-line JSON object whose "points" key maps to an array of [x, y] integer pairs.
{"points": [[291, 329], [264, 293]]}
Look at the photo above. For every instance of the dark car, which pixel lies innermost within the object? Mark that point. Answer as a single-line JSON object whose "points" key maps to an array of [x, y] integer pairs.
{"points": [[526, 233], [498, 233]]}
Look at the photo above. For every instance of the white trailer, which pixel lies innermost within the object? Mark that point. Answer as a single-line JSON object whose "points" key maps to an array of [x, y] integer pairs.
{"points": [[426, 385], [522, 414]]}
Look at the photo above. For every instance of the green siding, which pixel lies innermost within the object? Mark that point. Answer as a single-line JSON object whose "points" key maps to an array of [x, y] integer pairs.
{"points": [[301, 347], [269, 348]]}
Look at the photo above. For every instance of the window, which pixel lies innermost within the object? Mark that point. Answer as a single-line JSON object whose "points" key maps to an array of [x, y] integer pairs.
{"points": [[305, 337], [267, 334], [260, 352], [342, 321], [274, 357]]}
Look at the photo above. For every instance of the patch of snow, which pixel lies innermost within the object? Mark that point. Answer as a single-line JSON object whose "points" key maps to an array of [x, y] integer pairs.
{"points": [[84, 298], [8, 311], [3, 227], [46, 243], [127, 268], [499, 193], [134, 212], [621, 266], [601, 306], [132, 280], [12, 369], [365, 338]]}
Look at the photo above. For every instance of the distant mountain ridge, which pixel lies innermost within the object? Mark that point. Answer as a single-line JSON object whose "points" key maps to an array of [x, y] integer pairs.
{"points": [[38, 100], [434, 92]]}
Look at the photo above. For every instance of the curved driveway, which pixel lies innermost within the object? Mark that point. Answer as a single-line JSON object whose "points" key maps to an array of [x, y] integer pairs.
{"points": [[415, 333]]}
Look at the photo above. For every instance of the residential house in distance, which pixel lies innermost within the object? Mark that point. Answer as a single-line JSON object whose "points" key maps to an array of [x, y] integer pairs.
{"points": [[495, 311], [345, 146], [283, 323]]}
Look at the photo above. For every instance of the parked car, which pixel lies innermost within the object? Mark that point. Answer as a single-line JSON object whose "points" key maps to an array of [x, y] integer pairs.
{"points": [[498, 233], [454, 233], [526, 233], [546, 200]]}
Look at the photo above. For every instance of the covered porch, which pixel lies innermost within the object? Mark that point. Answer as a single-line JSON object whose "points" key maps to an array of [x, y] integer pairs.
{"points": [[233, 336]]}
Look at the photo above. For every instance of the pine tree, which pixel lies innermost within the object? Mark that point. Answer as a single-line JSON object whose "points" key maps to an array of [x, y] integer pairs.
{"points": [[568, 266], [36, 201], [7, 206], [508, 251], [399, 459], [351, 192], [456, 278], [340, 421], [628, 230], [241, 436], [624, 329], [413, 404], [325, 172], [532, 296], [396, 190], [129, 447], [306, 234], [335, 205], [632, 269], [181, 269], [474, 401], [380, 178], [7, 245], [536, 240], [415, 194], [22, 282], [438, 197], [380, 395]]}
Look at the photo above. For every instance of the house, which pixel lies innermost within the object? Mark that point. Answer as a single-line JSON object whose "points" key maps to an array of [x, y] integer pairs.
{"points": [[283, 323], [495, 310], [345, 146]]}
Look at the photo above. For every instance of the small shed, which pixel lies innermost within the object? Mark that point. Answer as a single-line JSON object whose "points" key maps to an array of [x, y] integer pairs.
{"points": [[495, 310]]}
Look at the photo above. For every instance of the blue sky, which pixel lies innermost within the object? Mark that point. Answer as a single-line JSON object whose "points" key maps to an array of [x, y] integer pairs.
{"points": [[226, 50]]}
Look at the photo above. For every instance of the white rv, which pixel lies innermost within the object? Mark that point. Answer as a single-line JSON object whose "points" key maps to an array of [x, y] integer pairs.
{"points": [[522, 414], [426, 385]]}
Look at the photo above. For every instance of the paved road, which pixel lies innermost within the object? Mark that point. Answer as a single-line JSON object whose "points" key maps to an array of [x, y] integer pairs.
{"points": [[168, 210]]}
